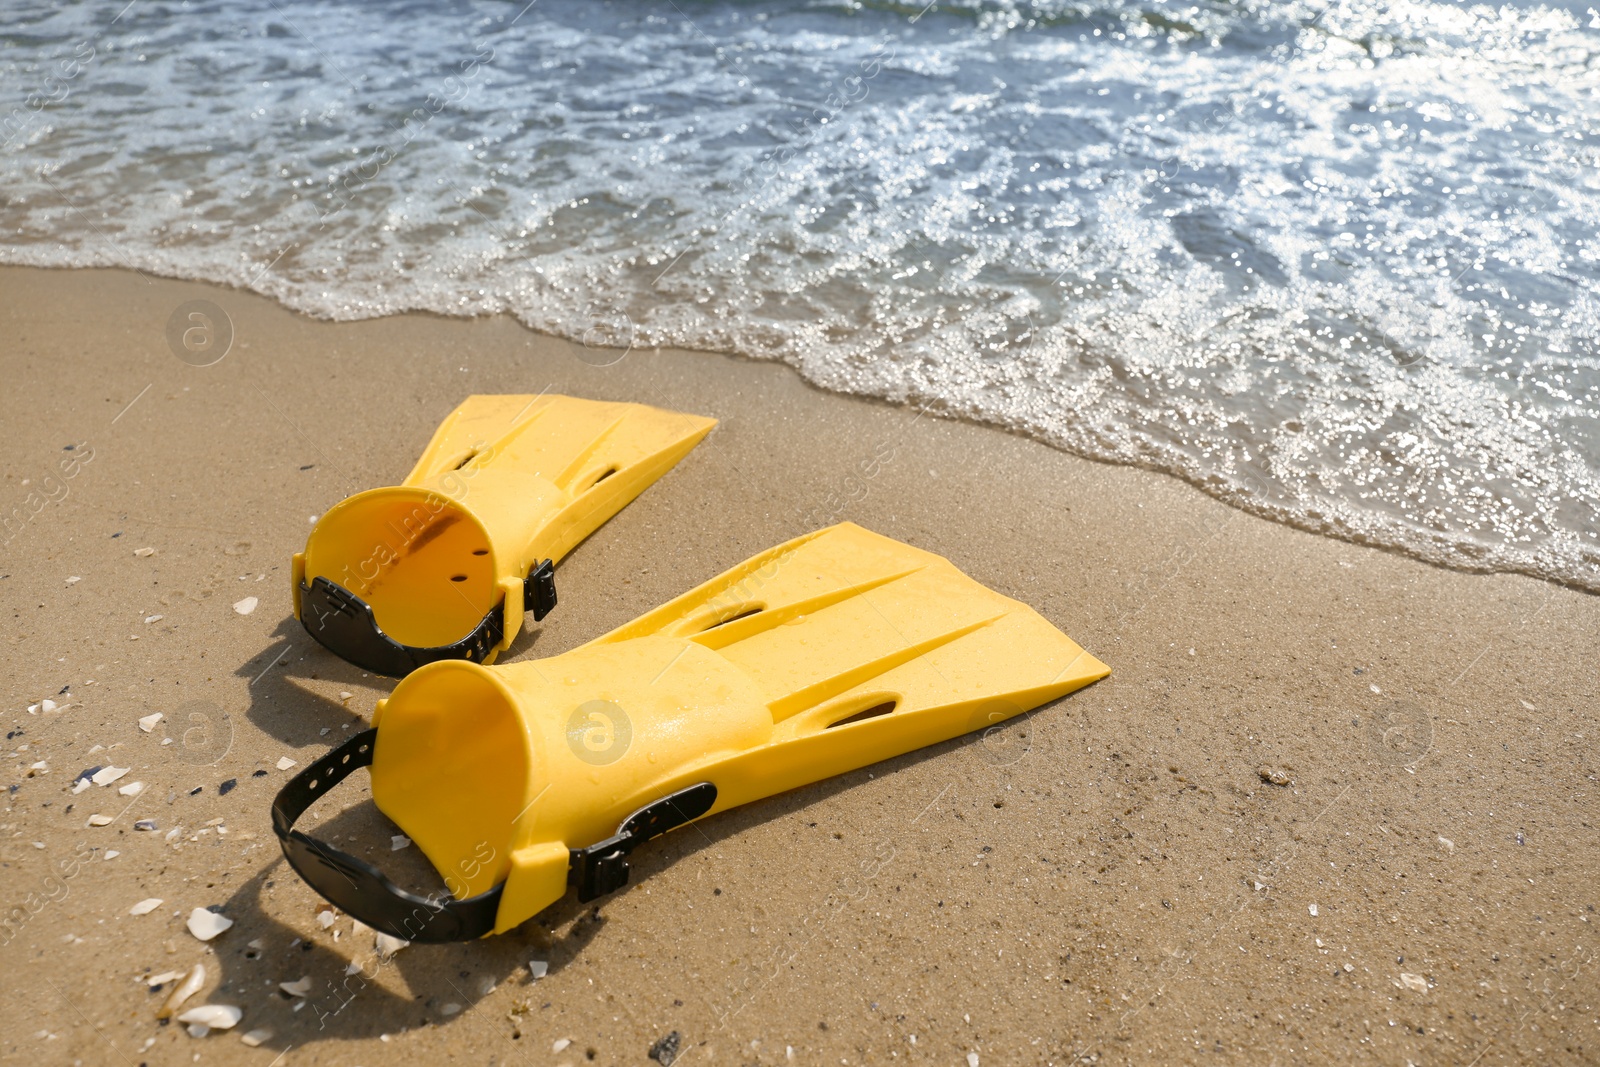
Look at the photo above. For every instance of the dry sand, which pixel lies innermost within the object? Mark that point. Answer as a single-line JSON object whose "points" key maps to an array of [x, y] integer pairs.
{"points": [[1112, 878]]}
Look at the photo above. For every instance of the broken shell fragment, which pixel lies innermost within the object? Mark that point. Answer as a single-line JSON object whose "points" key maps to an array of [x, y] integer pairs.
{"points": [[388, 945], [246, 606], [107, 775], [148, 723], [252, 1038], [183, 991], [213, 1016], [1414, 982], [302, 988], [146, 906], [206, 924], [100, 820]]}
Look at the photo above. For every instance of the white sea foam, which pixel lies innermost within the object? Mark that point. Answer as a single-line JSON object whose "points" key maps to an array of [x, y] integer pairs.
{"points": [[1336, 264]]}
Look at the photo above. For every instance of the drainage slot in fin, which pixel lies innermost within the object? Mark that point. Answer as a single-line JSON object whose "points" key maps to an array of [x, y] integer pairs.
{"points": [[871, 713], [469, 458], [745, 614], [602, 476]]}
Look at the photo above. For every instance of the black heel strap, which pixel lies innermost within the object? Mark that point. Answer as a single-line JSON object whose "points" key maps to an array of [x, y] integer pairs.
{"points": [[357, 887], [345, 624]]}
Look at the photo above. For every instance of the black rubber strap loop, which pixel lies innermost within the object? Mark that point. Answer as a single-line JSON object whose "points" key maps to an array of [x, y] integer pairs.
{"points": [[355, 886], [344, 624]]}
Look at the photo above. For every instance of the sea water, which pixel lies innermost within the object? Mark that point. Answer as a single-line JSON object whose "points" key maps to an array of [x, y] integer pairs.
{"points": [[1335, 262]]}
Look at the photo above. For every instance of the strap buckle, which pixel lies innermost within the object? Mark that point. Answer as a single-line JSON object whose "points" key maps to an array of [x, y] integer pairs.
{"points": [[603, 867], [539, 590]]}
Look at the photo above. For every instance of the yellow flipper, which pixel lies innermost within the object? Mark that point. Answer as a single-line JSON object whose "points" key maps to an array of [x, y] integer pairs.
{"points": [[444, 564], [823, 655]]}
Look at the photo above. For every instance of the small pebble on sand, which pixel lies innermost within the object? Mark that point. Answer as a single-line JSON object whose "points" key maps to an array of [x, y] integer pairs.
{"points": [[1273, 775], [665, 1050]]}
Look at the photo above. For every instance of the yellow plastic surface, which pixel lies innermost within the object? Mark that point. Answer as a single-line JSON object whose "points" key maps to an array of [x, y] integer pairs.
{"points": [[823, 655], [506, 482]]}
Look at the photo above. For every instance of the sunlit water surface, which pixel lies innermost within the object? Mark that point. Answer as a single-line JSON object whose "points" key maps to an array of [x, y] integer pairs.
{"points": [[1335, 263]]}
